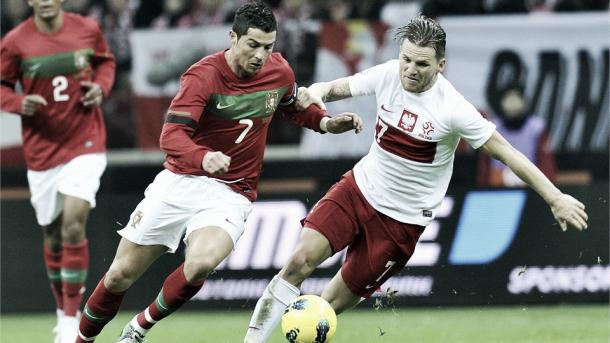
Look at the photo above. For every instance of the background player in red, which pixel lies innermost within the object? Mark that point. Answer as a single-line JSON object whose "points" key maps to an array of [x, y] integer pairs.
{"points": [[380, 208], [214, 139], [64, 68]]}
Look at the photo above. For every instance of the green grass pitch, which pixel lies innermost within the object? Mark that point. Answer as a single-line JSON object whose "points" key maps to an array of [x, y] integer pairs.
{"points": [[535, 324]]}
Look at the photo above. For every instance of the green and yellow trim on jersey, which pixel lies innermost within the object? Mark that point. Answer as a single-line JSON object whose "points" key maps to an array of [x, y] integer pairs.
{"points": [[66, 63]]}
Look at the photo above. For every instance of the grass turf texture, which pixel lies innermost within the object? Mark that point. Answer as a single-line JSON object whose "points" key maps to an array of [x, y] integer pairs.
{"points": [[536, 324]]}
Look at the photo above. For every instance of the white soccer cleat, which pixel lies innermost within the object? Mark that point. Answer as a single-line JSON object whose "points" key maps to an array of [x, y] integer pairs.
{"points": [[56, 335], [68, 329], [132, 333], [56, 330], [251, 340]]}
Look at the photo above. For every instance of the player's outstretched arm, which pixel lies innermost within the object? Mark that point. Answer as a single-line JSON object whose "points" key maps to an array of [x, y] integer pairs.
{"points": [[320, 92], [566, 209]]}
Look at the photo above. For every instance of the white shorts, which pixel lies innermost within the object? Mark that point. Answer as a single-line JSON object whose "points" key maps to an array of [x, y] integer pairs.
{"points": [[80, 178], [175, 205]]}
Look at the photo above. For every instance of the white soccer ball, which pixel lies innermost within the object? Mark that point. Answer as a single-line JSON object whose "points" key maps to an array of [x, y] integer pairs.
{"points": [[309, 319]]}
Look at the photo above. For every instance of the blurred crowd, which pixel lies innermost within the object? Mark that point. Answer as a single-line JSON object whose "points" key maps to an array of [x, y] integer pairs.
{"points": [[296, 40]]}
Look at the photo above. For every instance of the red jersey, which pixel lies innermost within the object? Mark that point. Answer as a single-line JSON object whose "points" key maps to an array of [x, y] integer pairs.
{"points": [[53, 65], [215, 110]]}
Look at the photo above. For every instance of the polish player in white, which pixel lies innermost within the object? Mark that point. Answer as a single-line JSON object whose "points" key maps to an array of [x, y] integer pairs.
{"points": [[405, 175]]}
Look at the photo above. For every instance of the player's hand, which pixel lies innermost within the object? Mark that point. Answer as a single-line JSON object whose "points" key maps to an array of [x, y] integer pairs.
{"points": [[93, 94], [306, 97], [216, 163], [31, 103], [569, 211], [344, 122]]}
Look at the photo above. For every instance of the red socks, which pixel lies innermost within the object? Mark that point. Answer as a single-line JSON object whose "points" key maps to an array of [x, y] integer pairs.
{"points": [[175, 292], [101, 307], [74, 266], [52, 261]]}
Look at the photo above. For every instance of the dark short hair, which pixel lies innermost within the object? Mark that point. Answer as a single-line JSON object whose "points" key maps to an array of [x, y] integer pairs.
{"points": [[254, 14], [425, 32]]}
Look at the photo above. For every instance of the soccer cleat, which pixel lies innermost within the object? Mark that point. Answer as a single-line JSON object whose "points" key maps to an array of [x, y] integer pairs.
{"points": [[57, 337], [56, 329], [68, 329], [131, 334]]}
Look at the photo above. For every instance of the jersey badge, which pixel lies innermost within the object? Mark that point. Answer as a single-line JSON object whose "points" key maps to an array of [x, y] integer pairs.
{"points": [[81, 59], [271, 101], [407, 121], [426, 130], [137, 217]]}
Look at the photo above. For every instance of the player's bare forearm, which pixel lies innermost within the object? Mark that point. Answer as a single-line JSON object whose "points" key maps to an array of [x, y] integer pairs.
{"points": [[498, 148], [332, 91], [565, 208]]}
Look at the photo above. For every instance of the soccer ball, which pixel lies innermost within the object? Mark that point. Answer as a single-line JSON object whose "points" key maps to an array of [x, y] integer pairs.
{"points": [[309, 319]]}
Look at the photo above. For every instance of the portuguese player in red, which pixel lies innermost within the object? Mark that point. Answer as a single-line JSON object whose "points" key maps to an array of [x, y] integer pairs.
{"points": [[214, 138], [62, 63]]}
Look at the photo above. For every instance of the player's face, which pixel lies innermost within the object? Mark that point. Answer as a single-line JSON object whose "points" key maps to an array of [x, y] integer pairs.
{"points": [[46, 9], [418, 67], [251, 51]]}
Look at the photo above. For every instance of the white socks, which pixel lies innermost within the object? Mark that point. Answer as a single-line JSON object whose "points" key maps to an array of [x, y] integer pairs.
{"points": [[269, 309]]}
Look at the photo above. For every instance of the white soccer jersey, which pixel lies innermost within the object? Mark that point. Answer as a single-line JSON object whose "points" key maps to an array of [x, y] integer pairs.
{"points": [[407, 171]]}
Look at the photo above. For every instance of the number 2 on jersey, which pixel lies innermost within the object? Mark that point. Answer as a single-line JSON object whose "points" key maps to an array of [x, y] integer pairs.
{"points": [[60, 83], [248, 123]]}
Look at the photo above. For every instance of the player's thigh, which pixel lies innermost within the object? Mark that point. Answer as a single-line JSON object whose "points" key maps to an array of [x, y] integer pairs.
{"points": [[314, 245], [205, 249], [340, 214], [130, 262], [338, 295], [75, 212], [311, 250], [213, 231], [380, 252]]}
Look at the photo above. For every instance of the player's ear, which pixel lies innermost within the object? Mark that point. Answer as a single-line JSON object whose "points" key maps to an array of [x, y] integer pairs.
{"points": [[233, 37], [441, 64]]}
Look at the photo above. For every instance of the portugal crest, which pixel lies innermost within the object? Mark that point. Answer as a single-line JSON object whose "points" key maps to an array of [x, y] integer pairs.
{"points": [[271, 101], [81, 58]]}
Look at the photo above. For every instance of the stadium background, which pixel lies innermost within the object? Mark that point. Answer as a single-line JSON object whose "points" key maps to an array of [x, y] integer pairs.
{"points": [[488, 247]]}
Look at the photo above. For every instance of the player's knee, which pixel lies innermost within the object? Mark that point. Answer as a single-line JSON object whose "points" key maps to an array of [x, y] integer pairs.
{"points": [[52, 240], [73, 231], [118, 279], [198, 268], [300, 266]]}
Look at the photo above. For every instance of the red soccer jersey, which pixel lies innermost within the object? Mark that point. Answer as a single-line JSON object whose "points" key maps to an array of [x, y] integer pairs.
{"points": [[53, 65], [215, 110]]}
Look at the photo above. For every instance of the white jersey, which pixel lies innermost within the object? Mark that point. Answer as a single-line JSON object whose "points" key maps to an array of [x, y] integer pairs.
{"points": [[406, 173]]}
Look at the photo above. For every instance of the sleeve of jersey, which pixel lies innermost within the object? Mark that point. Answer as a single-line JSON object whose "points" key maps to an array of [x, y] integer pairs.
{"points": [[470, 123], [181, 122], [103, 63], [366, 81], [309, 118], [9, 71]]}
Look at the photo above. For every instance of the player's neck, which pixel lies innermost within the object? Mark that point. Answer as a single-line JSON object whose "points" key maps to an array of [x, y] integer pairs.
{"points": [[233, 65], [49, 26]]}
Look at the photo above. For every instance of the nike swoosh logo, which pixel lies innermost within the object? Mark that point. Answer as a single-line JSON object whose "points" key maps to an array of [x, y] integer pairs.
{"points": [[385, 109], [220, 107], [35, 67]]}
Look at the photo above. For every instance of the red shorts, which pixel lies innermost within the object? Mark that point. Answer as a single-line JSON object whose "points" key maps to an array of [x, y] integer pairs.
{"points": [[379, 246]]}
